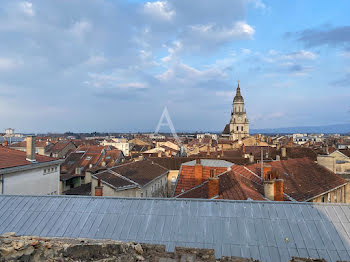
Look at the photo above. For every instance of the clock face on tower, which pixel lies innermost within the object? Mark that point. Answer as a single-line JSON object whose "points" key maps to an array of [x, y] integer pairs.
{"points": [[240, 118]]}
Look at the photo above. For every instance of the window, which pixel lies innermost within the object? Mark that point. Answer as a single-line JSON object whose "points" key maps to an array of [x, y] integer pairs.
{"points": [[141, 194], [322, 199], [237, 128], [242, 128]]}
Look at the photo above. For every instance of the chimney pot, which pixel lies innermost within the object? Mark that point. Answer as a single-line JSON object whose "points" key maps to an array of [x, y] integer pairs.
{"points": [[30, 148]]}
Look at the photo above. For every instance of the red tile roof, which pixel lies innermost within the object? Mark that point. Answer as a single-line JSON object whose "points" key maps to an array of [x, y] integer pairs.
{"points": [[231, 186], [12, 158], [303, 178], [303, 181], [186, 178]]}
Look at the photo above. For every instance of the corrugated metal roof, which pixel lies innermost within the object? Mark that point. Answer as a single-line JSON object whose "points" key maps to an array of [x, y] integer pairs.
{"points": [[211, 162], [268, 231]]}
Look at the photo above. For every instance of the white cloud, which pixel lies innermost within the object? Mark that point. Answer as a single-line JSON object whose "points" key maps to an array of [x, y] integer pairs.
{"points": [[27, 8], [96, 60], [300, 55], [135, 85], [80, 28], [9, 64], [221, 33], [187, 75], [258, 4], [159, 10], [246, 51]]}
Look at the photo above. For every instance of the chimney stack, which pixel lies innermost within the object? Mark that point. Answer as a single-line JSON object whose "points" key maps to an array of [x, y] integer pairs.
{"points": [[269, 189], [99, 189], [30, 148], [251, 158], [213, 184], [278, 190], [284, 152], [198, 172], [267, 171]]}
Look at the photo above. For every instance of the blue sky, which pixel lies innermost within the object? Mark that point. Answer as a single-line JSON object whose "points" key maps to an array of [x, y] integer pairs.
{"points": [[94, 65]]}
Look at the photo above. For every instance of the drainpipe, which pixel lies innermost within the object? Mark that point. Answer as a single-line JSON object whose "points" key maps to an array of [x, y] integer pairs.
{"points": [[2, 184]]}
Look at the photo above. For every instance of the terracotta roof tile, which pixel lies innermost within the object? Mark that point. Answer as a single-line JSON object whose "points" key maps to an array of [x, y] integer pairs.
{"points": [[12, 158]]}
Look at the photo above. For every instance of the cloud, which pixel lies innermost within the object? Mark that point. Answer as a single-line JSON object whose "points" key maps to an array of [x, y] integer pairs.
{"points": [[159, 10], [300, 55], [7, 64], [187, 75], [296, 69], [27, 8], [80, 28], [343, 82], [213, 32], [325, 35]]}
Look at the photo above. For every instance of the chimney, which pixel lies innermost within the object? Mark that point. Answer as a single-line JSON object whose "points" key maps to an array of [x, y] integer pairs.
{"points": [[208, 150], [198, 172], [213, 184], [278, 190], [266, 172], [284, 152], [243, 149], [327, 150], [99, 189], [30, 148], [269, 189], [159, 153], [251, 158], [278, 158]]}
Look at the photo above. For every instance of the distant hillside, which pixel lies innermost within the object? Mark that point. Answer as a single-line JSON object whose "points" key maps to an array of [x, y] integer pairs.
{"points": [[329, 129]]}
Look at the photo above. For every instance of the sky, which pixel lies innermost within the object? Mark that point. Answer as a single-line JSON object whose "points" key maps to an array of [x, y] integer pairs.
{"points": [[113, 66]]}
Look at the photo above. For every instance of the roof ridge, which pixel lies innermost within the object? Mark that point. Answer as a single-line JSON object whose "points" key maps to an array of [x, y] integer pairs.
{"points": [[121, 176]]}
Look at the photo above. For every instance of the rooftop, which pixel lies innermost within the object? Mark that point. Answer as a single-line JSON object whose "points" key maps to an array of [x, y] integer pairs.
{"points": [[13, 158], [268, 231]]}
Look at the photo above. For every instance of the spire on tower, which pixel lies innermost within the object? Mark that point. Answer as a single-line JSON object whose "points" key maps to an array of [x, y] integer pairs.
{"points": [[238, 96]]}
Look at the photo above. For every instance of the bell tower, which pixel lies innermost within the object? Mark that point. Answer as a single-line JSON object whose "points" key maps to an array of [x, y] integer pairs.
{"points": [[239, 124]]}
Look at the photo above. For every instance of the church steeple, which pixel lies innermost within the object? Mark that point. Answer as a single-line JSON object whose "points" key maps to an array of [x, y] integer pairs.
{"points": [[238, 97]]}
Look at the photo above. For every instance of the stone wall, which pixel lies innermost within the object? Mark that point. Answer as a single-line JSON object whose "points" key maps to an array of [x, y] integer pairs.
{"points": [[37, 249]]}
